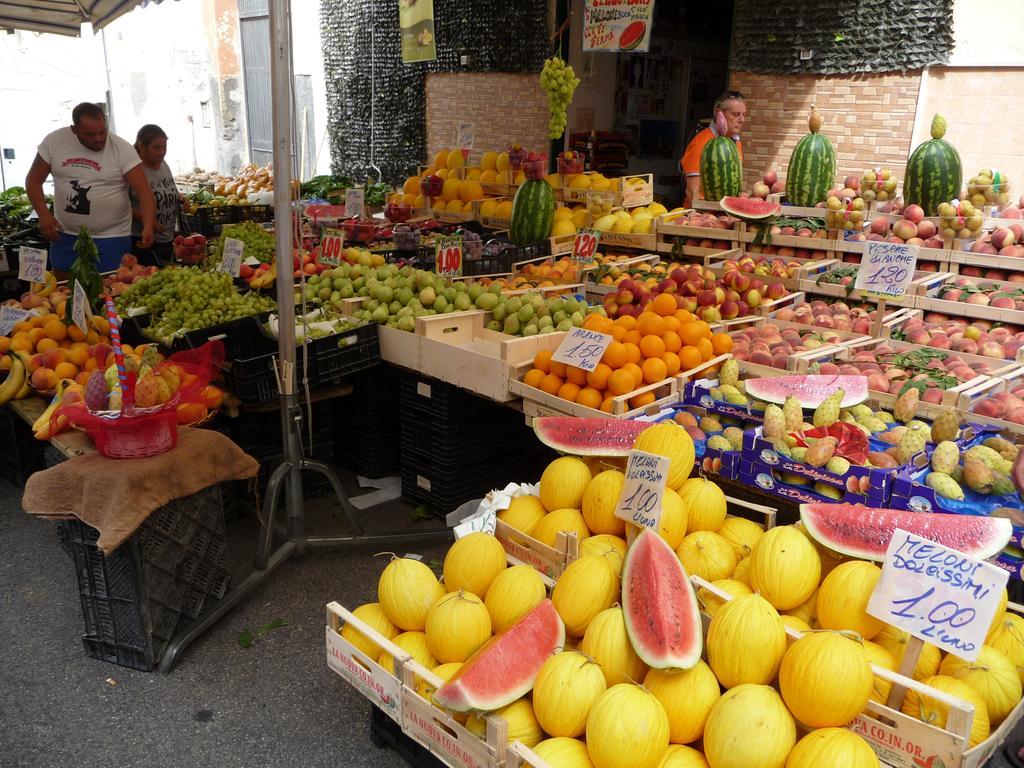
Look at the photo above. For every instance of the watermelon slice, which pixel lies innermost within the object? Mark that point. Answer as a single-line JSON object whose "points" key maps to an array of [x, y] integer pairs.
{"points": [[749, 208], [659, 605], [632, 35], [506, 666], [864, 532], [810, 390], [588, 436]]}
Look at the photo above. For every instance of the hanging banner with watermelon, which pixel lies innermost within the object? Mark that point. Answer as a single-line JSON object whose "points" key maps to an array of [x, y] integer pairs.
{"points": [[416, 20], [617, 25]]}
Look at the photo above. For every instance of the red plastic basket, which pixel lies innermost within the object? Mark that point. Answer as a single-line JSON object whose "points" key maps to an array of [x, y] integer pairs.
{"points": [[136, 437]]}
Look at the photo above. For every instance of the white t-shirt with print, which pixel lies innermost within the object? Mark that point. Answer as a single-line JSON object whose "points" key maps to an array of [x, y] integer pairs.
{"points": [[89, 187]]}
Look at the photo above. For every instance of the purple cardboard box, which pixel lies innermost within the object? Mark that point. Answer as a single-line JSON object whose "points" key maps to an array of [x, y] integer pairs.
{"points": [[759, 475]]}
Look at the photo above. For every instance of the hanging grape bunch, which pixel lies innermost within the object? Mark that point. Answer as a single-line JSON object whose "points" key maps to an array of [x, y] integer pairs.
{"points": [[559, 80]]}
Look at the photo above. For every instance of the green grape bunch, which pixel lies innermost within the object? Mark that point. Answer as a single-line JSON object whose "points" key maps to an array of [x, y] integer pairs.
{"points": [[559, 80], [259, 243]]}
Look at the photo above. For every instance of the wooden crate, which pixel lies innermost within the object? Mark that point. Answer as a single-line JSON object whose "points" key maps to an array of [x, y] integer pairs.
{"points": [[923, 281], [961, 259], [628, 195], [491, 222], [808, 269], [459, 349], [991, 385], [795, 211], [448, 217], [664, 226], [521, 549], [396, 696], [928, 301]]}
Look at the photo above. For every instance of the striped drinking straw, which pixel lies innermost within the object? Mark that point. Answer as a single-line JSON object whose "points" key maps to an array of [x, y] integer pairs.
{"points": [[115, 341]]}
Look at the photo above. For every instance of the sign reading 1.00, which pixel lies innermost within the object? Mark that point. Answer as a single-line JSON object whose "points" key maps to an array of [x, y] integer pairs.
{"points": [[448, 255]]}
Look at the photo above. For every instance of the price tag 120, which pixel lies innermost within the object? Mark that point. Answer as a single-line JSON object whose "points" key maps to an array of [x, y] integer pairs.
{"points": [[448, 255], [584, 247], [354, 201], [231, 259], [887, 270], [937, 594], [582, 348], [640, 501], [31, 264], [331, 243], [11, 316]]}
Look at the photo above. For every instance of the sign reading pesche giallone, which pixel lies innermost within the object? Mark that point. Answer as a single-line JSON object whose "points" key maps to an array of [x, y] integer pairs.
{"points": [[617, 25]]}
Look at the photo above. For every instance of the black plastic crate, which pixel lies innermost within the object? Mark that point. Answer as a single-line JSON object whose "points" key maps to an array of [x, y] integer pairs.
{"points": [[257, 213], [235, 334], [343, 354], [259, 434], [20, 453], [367, 423], [385, 732], [210, 220], [438, 401], [251, 373], [169, 572]]}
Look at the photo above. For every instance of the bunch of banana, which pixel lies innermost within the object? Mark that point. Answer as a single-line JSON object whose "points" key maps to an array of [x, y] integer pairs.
{"points": [[45, 288], [16, 385], [46, 426], [265, 278]]}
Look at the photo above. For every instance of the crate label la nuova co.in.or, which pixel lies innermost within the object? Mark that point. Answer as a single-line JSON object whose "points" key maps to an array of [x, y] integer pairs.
{"points": [[937, 594], [640, 500], [887, 270]]}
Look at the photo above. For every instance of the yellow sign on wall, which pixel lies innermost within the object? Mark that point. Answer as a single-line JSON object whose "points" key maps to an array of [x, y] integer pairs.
{"points": [[416, 19]]}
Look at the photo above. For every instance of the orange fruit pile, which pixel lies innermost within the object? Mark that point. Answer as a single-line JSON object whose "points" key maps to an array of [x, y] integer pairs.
{"points": [[658, 344], [56, 350]]}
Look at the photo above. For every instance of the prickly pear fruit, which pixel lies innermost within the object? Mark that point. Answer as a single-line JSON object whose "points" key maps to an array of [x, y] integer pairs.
{"points": [[1002, 484], [820, 451], [805, 426], [874, 425], [829, 491], [794, 414], [774, 422], [945, 427], [893, 436], [710, 424], [918, 423], [735, 437], [882, 460], [719, 443], [781, 446], [958, 474], [733, 395], [860, 411], [790, 479], [1003, 447], [944, 486], [799, 454], [978, 476], [853, 485], [906, 405], [110, 375], [729, 373], [716, 393], [912, 443], [847, 417], [96, 392], [946, 457], [885, 416], [837, 465], [989, 457], [827, 412]]}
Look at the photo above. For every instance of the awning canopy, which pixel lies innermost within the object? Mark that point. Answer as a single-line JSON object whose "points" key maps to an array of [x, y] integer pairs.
{"points": [[63, 17]]}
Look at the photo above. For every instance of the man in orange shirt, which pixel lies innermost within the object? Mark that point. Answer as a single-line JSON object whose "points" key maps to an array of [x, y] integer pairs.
{"points": [[734, 108]]}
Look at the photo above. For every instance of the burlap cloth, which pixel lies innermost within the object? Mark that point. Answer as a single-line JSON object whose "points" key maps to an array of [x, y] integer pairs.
{"points": [[115, 496]]}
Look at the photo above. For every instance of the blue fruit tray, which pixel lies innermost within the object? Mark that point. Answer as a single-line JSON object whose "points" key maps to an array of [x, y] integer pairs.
{"points": [[1011, 561], [766, 478], [698, 393], [725, 464]]}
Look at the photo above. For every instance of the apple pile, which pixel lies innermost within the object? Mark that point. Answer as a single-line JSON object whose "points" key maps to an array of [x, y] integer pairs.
{"points": [[983, 294], [127, 273], [838, 316], [768, 344], [189, 249], [877, 184], [698, 290], [769, 185], [761, 266], [1004, 241], [977, 337]]}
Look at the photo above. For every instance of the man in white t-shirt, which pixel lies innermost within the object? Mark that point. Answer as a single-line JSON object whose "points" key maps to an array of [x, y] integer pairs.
{"points": [[92, 173]]}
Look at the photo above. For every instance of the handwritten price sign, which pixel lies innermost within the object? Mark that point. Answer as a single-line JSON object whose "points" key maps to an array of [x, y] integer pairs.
{"points": [[354, 201], [448, 255], [582, 348], [331, 243], [887, 270], [937, 594], [80, 310], [31, 264], [11, 316], [465, 136], [231, 259], [585, 245], [640, 501]]}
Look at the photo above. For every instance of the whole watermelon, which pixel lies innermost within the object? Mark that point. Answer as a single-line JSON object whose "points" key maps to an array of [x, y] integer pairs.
{"points": [[933, 172], [721, 174], [533, 208], [812, 167]]}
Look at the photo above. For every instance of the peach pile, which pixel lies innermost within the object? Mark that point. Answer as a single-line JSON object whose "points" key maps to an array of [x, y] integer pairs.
{"points": [[976, 338], [768, 344], [839, 316], [982, 294]]}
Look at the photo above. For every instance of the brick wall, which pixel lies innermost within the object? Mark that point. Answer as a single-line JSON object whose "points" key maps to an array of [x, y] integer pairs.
{"points": [[869, 118], [504, 108]]}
